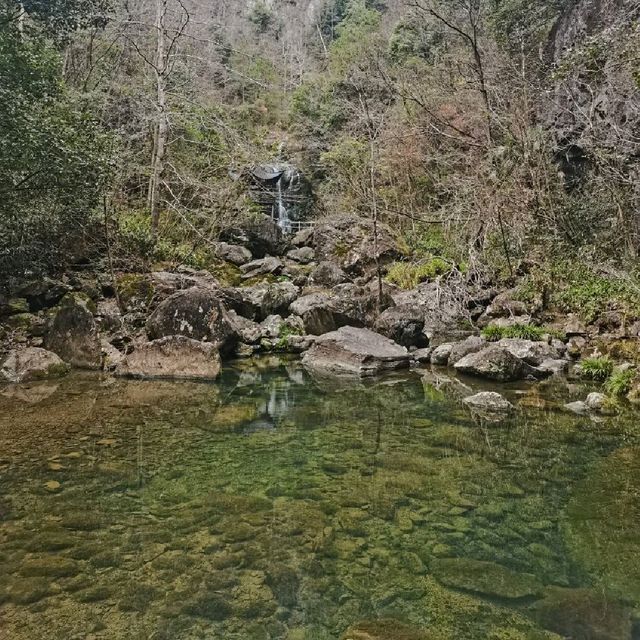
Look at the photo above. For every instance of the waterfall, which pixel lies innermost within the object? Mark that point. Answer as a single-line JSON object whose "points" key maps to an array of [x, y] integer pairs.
{"points": [[283, 215]]}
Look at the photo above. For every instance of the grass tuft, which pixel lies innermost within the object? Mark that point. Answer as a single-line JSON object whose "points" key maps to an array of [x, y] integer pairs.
{"points": [[597, 368]]}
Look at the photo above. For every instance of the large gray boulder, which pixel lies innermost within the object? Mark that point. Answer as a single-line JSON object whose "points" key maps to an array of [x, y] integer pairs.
{"points": [[328, 274], [259, 234], [265, 299], [233, 253], [263, 267], [355, 351], [29, 364], [345, 304], [195, 313], [72, 333], [403, 324], [496, 363], [445, 318], [172, 357], [348, 241], [532, 352], [459, 350]]}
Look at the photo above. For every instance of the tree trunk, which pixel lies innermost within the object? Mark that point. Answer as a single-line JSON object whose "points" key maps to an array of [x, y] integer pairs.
{"points": [[162, 124]]}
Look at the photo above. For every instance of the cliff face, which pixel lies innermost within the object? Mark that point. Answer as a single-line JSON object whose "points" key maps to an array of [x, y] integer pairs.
{"points": [[594, 104]]}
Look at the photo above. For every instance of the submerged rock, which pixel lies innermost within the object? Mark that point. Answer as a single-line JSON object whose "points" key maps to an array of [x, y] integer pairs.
{"points": [[350, 350], [385, 629], [172, 357], [488, 401], [496, 363], [582, 614], [32, 363], [485, 578], [72, 333]]}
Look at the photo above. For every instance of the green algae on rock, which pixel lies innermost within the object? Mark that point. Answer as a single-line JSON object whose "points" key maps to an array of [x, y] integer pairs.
{"points": [[485, 578]]}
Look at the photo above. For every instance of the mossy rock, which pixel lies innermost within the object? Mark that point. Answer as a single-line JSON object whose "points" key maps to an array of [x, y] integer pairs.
{"points": [[602, 523], [385, 629], [485, 578], [212, 606], [582, 614], [135, 290]]}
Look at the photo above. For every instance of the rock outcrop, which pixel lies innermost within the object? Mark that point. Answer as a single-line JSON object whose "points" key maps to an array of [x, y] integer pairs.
{"points": [[172, 357], [403, 324], [354, 351]]}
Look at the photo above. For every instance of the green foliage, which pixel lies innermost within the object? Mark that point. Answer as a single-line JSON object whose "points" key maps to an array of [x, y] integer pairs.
{"points": [[408, 275], [286, 332], [493, 333], [53, 159], [620, 382], [581, 290], [261, 16], [596, 368]]}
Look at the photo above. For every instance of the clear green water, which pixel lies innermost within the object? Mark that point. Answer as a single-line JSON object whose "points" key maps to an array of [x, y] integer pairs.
{"points": [[270, 505]]}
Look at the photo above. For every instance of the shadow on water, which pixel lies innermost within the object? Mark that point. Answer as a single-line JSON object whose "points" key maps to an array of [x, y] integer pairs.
{"points": [[275, 505]]}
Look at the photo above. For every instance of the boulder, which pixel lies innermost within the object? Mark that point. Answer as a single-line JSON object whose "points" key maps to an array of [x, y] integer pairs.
{"points": [[422, 356], [13, 306], [172, 357], [303, 238], [496, 363], [469, 345], [488, 401], [233, 253], [275, 326], [195, 313], [348, 241], [351, 350], [578, 407], [328, 274], [265, 299], [303, 255], [166, 283], [532, 352], [259, 234], [505, 305], [596, 401], [404, 325], [445, 318], [263, 267], [29, 364], [43, 293], [440, 355], [72, 333], [554, 367]]}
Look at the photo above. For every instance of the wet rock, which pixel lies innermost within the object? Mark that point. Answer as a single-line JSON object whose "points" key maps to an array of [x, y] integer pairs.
{"points": [[28, 591], [233, 253], [172, 357], [212, 606], [469, 345], [49, 566], [303, 255], [263, 267], [423, 356], [328, 274], [532, 352], [485, 578], [195, 313], [72, 333], [554, 367], [252, 598], [488, 401], [582, 614], [29, 364], [350, 350], [385, 629], [111, 357], [403, 324], [440, 355], [262, 300], [496, 363], [348, 242]]}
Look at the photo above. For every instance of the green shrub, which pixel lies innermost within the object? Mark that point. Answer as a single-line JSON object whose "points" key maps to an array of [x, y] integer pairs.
{"points": [[493, 333], [620, 382], [408, 275], [596, 368]]}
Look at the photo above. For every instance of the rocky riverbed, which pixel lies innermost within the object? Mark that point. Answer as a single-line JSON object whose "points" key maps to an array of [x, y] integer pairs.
{"points": [[273, 504]]}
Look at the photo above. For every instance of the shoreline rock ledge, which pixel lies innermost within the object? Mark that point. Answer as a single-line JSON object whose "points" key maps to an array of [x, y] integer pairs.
{"points": [[354, 351]]}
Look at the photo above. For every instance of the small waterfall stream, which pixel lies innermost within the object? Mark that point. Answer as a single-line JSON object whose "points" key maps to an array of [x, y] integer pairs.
{"points": [[283, 214]]}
